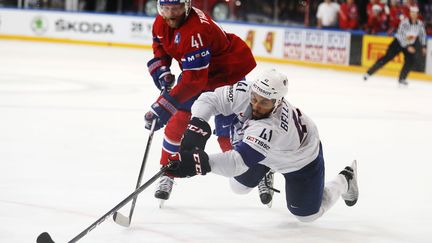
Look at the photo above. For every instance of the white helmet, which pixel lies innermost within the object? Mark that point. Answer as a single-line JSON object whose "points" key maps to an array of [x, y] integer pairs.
{"points": [[271, 85], [187, 5]]}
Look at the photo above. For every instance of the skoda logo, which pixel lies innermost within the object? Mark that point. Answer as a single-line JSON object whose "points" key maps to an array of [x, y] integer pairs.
{"points": [[39, 25]]}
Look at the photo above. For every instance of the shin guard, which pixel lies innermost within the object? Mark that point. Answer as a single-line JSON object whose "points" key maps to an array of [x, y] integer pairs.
{"points": [[173, 132]]}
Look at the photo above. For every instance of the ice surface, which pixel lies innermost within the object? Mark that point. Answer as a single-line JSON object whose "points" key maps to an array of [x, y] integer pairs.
{"points": [[72, 139]]}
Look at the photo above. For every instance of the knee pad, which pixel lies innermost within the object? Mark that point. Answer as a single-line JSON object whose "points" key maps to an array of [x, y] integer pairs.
{"points": [[238, 188], [310, 218]]}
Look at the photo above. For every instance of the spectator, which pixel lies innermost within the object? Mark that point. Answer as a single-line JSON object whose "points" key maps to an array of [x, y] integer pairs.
{"points": [[427, 6], [413, 3], [397, 13], [348, 15], [327, 14], [377, 18], [362, 6], [410, 3], [8, 3]]}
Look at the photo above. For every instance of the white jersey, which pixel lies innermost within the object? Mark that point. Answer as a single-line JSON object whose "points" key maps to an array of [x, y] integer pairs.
{"points": [[286, 141]]}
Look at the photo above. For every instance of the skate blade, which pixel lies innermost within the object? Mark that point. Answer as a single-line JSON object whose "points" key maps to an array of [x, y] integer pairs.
{"points": [[161, 203], [270, 204]]}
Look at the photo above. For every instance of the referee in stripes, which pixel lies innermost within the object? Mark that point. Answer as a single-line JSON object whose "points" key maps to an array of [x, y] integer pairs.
{"points": [[409, 32]]}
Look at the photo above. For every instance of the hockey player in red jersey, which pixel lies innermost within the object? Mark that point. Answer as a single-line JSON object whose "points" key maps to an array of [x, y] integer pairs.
{"points": [[208, 57]]}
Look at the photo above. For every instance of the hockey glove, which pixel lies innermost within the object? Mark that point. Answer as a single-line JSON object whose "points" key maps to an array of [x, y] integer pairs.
{"points": [[162, 110], [189, 163], [160, 72], [196, 135], [148, 118]]}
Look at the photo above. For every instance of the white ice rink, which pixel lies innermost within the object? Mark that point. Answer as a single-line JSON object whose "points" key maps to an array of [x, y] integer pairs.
{"points": [[72, 140]]}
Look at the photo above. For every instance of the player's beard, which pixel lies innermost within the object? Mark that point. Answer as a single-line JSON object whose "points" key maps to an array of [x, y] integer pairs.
{"points": [[256, 115], [174, 22]]}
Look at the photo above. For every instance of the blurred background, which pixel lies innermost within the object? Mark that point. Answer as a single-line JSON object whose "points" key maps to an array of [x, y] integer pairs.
{"points": [[353, 14]]}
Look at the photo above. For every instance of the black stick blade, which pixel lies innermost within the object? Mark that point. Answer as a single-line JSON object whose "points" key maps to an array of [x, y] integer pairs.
{"points": [[44, 238]]}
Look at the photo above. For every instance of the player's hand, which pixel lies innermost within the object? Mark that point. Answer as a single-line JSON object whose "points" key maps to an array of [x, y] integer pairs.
{"points": [[167, 82], [196, 135], [189, 163], [161, 73], [162, 110], [411, 49], [149, 117]]}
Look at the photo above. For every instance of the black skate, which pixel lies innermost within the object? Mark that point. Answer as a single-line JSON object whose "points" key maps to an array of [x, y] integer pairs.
{"points": [[403, 83], [266, 190], [164, 189]]}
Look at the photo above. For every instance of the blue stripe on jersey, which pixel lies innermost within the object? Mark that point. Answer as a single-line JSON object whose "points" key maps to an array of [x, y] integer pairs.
{"points": [[249, 155], [197, 59], [172, 148], [155, 39]]}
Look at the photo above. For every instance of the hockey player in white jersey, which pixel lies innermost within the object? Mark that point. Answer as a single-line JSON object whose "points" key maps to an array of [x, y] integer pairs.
{"points": [[268, 134]]}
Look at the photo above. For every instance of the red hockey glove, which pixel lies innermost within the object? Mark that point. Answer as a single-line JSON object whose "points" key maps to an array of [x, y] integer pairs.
{"points": [[161, 73], [162, 110]]}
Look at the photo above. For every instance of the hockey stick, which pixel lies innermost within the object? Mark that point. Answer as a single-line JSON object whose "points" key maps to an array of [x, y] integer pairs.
{"points": [[46, 238], [117, 216]]}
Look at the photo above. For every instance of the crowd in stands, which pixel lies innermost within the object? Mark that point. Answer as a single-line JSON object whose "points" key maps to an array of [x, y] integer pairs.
{"points": [[381, 17], [371, 16]]}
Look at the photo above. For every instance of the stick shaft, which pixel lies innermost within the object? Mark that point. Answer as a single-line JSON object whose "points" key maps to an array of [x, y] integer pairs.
{"points": [[120, 205]]}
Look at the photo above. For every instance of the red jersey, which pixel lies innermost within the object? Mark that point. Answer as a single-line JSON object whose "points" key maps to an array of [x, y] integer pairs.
{"points": [[397, 13], [208, 56], [348, 16], [377, 19]]}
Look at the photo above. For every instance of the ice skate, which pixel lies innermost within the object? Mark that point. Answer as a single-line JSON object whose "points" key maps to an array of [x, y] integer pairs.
{"points": [[265, 189], [352, 194], [366, 77], [164, 189], [403, 83]]}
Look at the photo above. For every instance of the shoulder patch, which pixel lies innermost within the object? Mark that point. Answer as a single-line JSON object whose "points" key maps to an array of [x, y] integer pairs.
{"points": [[177, 38], [196, 60]]}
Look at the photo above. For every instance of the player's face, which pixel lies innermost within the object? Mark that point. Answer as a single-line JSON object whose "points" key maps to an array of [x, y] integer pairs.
{"points": [[261, 107], [173, 14], [414, 15]]}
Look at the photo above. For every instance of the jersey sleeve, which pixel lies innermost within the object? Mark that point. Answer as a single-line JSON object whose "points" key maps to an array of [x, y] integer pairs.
{"points": [[255, 144], [227, 164], [214, 103], [158, 50], [422, 34], [225, 100], [249, 152]]}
